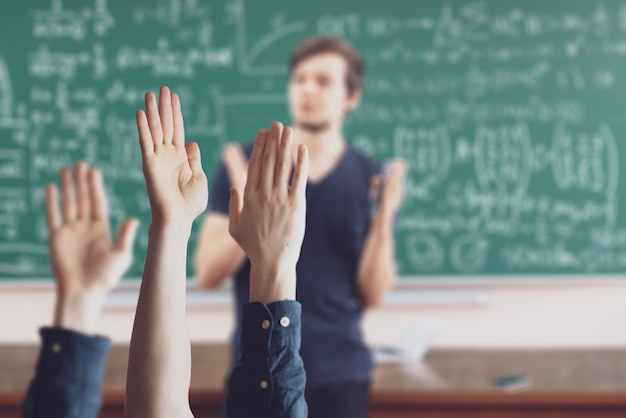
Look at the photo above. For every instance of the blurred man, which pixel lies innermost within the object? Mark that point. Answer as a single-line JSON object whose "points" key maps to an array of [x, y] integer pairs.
{"points": [[347, 261]]}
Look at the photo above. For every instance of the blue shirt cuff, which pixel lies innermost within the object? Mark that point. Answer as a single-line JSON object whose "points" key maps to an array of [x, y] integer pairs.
{"points": [[72, 355], [68, 375], [270, 379], [265, 328]]}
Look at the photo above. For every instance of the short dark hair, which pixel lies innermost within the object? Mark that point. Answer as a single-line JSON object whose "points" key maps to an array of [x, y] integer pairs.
{"points": [[324, 44]]}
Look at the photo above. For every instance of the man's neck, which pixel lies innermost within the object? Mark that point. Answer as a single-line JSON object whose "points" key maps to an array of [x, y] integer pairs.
{"points": [[325, 149], [321, 144]]}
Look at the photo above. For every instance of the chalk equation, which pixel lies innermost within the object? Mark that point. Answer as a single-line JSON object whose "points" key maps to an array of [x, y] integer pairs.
{"points": [[510, 116]]}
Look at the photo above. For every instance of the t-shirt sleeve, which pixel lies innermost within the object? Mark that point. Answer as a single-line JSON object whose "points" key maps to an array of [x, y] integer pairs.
{"points": [[220, 191]]}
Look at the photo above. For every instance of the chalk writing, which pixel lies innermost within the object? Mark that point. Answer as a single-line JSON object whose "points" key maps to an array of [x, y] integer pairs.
{"points": [[509, 115]]}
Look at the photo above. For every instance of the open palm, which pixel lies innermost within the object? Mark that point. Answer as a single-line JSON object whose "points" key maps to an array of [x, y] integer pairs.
{"points": [[82, 255], [177, 186]]}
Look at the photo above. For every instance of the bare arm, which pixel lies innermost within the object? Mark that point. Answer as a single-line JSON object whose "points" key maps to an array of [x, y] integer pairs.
{"points": [[159, 364], [217, 256], [377, 271]]}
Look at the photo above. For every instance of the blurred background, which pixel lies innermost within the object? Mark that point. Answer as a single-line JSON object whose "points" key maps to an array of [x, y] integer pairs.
{"points": [[512, 238]]}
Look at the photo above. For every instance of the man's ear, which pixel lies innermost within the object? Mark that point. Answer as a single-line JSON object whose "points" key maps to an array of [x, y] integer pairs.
{"points": [[353, 101]]}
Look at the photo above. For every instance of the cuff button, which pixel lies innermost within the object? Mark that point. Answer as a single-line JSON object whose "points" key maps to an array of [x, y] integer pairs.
{"points": [[284, 322]]}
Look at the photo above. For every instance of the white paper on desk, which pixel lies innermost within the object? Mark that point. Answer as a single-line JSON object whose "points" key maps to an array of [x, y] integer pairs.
{"points": [[410, 345]]}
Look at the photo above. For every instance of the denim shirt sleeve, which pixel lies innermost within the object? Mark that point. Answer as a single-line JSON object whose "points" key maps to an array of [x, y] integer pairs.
{"points": [[68, 376], [270, 378]]}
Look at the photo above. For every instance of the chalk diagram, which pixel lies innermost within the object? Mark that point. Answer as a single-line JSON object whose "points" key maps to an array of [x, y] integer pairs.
{"points": [[469, 253], [26, 259], [224, 103], [503, 158], [428, 151], [61, 23], [6, 96], [425, 252], [248, 56], [587, 161]]}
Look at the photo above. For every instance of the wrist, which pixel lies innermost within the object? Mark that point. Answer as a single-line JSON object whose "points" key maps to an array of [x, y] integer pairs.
{"points": [[179, 227], [272, 282], [79, 311], [382, 226]]}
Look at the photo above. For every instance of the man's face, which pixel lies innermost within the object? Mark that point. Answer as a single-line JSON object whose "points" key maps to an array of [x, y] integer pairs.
{"points": [[318, 95]]}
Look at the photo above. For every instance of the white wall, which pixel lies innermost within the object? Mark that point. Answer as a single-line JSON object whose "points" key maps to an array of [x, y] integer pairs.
{"points": [[517, 316]]}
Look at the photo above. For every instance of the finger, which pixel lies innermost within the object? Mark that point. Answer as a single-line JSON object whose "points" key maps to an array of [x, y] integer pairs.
{"points": [[401, 167], [395, 177], [145, 137], [179, 125], [235, 206], [283, 165], [165, 114], [392, 193], [52, 207], [373, 198], [193, 158], [376, 182], [298, 185], [154, 121], [99, 210], [235, 162], [82, 192], [376, 185], [68, 195], [126, 236], [270, 156], [255, 163]]}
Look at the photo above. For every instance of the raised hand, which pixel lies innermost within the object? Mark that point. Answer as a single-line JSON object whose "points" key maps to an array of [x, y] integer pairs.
{"points": [[236, 165], [268, 219], [159, 362], [85, 262], [391, 191], [177, 186]]}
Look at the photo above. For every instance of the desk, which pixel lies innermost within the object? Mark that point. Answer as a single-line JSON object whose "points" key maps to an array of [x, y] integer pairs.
{"points": [[450, 384]]}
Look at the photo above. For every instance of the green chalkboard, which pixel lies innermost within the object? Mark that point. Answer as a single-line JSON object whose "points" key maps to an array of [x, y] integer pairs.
{"points": [[512, 116]]}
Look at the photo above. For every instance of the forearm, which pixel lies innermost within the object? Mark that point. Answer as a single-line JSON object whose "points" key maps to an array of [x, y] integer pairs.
{"points": [[78, 311], [159, 366], [217, 258], [377, 267]]}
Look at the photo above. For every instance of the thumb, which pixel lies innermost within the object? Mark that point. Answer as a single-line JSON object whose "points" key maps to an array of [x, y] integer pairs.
{"points": [[193, 156], [234, 209], [376, 185], [126, 235], [399, 168]]}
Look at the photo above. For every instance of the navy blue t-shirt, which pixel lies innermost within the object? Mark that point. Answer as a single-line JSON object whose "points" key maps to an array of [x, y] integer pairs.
{"points": [[337, 222]]}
